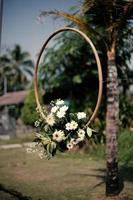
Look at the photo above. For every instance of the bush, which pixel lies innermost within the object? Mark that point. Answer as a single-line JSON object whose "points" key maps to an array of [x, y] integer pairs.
{"points": [[125, 146], [28, 113], [126, 111]]}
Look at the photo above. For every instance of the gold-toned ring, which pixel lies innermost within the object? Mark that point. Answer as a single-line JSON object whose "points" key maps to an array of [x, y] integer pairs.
{"points": [[98, 67]]}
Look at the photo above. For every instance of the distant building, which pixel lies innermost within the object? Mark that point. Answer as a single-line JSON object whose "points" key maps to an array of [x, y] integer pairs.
{"points": [[10, 106]]}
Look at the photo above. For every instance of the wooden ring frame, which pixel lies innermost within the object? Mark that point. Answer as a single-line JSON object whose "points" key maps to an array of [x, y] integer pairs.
{"points": [[98, 67]]}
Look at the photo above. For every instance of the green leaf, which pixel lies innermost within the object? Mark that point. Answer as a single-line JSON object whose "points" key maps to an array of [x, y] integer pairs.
{"points": [[48, 149], [52, 146], [46, 141], [77, 79], [37, 140], [89, 131]]}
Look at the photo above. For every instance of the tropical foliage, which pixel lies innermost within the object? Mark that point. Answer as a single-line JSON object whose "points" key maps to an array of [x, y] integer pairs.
{"points": [[69, 70], [17, 67]]}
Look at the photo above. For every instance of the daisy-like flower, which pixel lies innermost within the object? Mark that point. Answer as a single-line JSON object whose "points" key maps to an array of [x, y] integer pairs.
{"points": [[64, 108], [81, 133], [58, 136], [54, 109], [69, 145], [68, 126], [50, 119], [59, 102], [71, 125], [74, 141], [74, 125], [61, 114], [81, 115]]}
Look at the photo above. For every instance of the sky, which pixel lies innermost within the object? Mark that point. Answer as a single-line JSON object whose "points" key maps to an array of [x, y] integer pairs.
{"points": [[20, 24]]}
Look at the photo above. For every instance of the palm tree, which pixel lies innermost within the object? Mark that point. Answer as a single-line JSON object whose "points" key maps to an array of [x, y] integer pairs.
{"points": [[17, 67], [111, 22], [4, 73]]}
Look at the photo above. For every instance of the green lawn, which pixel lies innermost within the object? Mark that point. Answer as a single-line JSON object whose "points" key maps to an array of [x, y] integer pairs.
{"points": [[66, 177]]}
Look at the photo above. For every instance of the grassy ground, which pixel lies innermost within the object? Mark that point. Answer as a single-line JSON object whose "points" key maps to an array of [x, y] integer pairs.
{"points": [[20, 140], [67, 177]]}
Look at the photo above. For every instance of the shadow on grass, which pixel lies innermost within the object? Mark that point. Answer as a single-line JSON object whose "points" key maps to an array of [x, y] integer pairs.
{"points": [[14, 193], [125, 174]]}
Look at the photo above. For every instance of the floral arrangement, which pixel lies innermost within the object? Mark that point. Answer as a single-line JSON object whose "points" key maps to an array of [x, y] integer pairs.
{"points": [[60, 129]]}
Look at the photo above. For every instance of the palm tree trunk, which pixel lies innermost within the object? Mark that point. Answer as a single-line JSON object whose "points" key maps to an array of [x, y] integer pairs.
{"points": [[112, 119]]}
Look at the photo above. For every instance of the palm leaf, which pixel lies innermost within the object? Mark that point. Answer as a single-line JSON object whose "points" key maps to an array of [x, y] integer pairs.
{"points": [[127, 15], [76, 19]]}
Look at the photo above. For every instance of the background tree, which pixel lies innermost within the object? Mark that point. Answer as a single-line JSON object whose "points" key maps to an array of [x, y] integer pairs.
{"points": [[69, 70], [111, 23], [17, 67], [4, 73]]}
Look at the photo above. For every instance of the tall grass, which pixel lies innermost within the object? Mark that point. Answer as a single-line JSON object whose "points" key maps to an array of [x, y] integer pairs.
{"points": [[125, 148]]}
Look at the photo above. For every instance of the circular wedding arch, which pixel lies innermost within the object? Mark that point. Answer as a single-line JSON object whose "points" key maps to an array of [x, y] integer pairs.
{"points": [[100, 78]]}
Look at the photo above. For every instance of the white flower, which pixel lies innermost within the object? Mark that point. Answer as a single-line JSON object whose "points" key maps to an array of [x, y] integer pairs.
{"points": [[60, 114], [81, 115], [59, 102], [58, 136], [81, 133], [68, 126], [50, 119], [37, 123], [64, 108], [74, 125], [73, 141], [69, 145], [80, 139], [54, 109], [71, 126]]}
